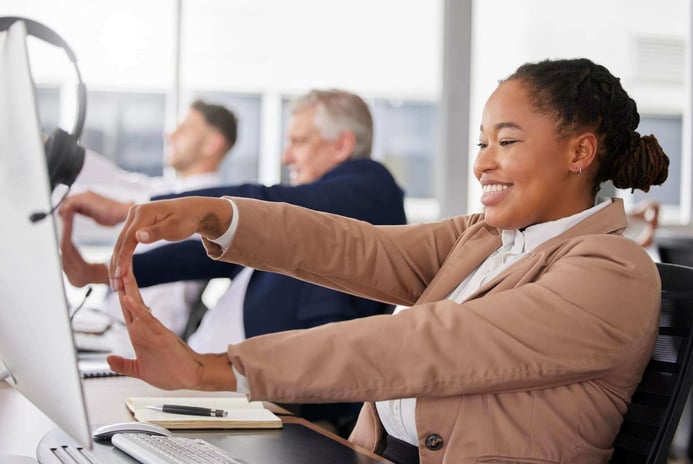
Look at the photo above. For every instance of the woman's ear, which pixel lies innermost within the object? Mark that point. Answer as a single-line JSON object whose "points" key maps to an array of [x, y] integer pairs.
{"points": [[584, 151]]}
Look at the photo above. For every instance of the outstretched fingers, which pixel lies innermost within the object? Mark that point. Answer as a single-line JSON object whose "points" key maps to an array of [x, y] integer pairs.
{"points": [[122, 365], [171, 220], [131, 300], [139, 227], [161, 357], [121, 260]]}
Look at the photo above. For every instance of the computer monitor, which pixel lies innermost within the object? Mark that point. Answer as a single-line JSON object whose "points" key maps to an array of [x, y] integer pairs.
{"points": [[37, 352]]}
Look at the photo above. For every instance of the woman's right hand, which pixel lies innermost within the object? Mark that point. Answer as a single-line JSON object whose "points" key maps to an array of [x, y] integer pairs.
{"points": [[171, 220], [161, 358]]}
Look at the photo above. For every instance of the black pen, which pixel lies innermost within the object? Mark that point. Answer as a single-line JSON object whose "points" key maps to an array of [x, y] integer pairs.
{"points": [[189, 410]]}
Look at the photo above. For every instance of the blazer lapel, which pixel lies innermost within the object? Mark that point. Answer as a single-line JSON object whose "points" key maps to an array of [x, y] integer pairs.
{"points": [[466, 256]]}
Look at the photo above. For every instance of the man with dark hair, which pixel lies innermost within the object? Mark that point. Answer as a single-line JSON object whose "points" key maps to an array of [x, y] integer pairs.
{"points": [[220, 118], [195, 150]]}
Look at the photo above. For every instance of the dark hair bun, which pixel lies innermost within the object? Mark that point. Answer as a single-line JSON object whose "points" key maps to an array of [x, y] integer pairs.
{"points": [[647, 164]]}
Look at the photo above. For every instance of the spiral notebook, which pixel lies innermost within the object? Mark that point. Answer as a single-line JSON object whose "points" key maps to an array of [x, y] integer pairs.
{"points": [[242, 414], [94, 367]]}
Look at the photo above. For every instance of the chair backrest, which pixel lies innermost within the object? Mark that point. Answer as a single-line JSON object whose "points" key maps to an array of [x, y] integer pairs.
{"points": [[675, 249], [653, 415]]}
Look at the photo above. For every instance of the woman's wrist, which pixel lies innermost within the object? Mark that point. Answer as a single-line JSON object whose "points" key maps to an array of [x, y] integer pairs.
{"points": [[217, 219], [216, 373]]}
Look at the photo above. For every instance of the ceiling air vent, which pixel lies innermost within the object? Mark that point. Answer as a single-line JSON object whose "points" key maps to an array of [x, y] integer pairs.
{"points": [[660, 60]]}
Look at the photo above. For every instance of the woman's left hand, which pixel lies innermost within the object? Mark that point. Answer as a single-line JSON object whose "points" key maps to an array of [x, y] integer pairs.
{"points": [[162, 358]]}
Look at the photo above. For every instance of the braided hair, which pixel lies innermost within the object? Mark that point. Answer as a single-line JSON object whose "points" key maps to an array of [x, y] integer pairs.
{"points": [[583, 95]]}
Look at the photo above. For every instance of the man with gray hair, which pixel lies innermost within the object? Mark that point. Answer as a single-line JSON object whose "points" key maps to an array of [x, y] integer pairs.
{"points": [[329, 140]]}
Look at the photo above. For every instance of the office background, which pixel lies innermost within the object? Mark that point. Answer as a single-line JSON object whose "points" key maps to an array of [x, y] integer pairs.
{"points": [[424, 66]]}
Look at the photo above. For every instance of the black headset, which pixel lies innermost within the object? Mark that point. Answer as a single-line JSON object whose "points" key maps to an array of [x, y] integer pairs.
{"points": [[64, 155]]}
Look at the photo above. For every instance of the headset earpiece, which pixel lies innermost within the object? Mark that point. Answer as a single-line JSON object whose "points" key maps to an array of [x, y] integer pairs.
{"points": [[64, 155]]}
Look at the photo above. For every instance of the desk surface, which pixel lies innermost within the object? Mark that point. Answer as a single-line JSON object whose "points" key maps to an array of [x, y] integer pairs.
{"points": [[22, 425]]}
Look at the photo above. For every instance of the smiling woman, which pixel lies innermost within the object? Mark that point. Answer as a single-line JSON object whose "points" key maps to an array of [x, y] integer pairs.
{"points": [[511, 350], [546, 148], [525, 169]]}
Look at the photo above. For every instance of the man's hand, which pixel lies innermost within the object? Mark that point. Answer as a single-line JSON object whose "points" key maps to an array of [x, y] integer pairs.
{"points": [[78, 271], [163, 359], [171, 220], [103, 210]]}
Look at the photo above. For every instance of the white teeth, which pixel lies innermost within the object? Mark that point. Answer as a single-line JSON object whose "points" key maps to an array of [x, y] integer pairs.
{"points": [[493, 188]]}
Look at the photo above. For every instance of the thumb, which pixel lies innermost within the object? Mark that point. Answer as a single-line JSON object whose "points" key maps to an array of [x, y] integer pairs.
{"points": [[121, 365], [169, 228], [146, 235]]}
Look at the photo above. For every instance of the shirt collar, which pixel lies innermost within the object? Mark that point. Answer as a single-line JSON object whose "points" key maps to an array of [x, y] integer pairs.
{"points": [[197, 181], [519, 242]]}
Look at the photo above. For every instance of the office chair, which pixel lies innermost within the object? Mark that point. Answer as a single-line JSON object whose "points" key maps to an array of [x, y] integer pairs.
{"points": [[678, 249], [653, 415], [675, 249]]}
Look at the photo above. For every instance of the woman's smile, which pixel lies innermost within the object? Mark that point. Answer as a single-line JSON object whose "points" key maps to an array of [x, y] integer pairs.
{"points": [[492, 194]]}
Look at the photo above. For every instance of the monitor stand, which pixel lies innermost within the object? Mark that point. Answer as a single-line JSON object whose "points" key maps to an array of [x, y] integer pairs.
{"points": [[56, 447]]}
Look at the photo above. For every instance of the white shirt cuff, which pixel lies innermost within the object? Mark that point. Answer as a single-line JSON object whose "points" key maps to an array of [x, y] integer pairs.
{"points": [[225, 239], [242, 385]]}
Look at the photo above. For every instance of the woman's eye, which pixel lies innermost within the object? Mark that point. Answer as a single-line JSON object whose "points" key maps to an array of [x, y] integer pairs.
{"points": [[482, 145], [505, 143]]}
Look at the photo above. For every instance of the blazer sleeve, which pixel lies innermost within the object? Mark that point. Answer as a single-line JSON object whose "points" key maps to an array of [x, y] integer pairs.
{"points": [[361, 189], [538, 334], [337, 252]]}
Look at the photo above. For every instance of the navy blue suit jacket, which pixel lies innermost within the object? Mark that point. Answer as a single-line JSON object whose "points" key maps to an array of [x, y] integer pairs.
{"points": [[363, 189]]}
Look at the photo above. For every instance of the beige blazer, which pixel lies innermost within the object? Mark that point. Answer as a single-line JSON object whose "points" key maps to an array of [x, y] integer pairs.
{"points": [[538, 366]]}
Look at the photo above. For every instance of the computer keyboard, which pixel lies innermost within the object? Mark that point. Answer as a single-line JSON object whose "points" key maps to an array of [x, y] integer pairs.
{"points": [[157, 449]]}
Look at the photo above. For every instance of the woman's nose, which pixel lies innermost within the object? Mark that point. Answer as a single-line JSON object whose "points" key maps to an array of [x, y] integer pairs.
{"points": [[485, 160]]}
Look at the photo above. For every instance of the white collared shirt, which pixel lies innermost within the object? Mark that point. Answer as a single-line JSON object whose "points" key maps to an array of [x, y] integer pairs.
{"points": [[223, 324], [102, 176]]}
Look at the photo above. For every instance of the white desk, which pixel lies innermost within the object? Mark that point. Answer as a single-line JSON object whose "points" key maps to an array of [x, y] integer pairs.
{"points": [[22, 425]]}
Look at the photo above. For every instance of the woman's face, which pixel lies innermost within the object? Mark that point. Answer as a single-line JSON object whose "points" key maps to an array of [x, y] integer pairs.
{"points": [[523, 165]]}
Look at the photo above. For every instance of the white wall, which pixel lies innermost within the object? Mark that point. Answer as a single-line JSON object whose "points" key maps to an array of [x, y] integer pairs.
{"points": [[507, 33]]}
